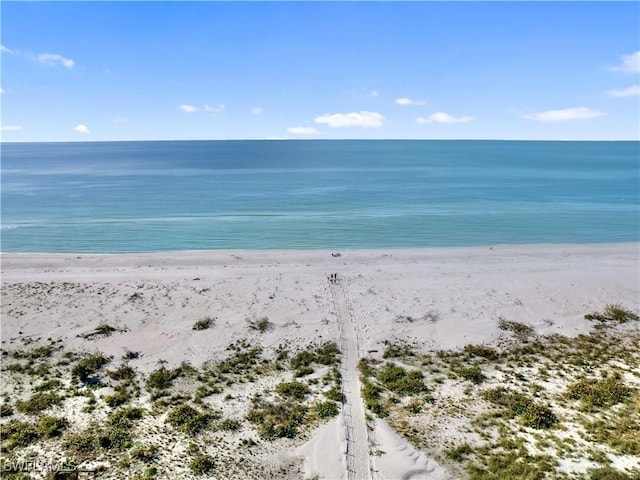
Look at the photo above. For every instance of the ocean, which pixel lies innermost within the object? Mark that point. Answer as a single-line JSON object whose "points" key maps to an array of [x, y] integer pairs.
{"points": [[110, 197]]}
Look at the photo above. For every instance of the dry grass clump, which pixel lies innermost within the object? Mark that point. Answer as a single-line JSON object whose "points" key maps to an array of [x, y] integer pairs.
{"points": [[203, 324], [261, 325], [520, 330], [613, 314], [533, 414], [481, 351], [102, 330]]}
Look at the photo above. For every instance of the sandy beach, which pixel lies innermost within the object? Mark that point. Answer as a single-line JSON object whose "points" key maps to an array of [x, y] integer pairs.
{"points": [[430, 300]]}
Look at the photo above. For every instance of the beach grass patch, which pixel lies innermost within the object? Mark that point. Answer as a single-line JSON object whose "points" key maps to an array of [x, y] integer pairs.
{"points": [[472, 373], [599, 392], [277, 420], [38, 402], [401, 381], [326, 409], [520, 330], [18, 434], [162, 378], [397, 350], [50, 427], [459, 453], [482, 351], [189, 419]]}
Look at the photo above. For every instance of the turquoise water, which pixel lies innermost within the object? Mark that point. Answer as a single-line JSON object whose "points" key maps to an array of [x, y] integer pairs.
{"points": [[156, 196]]}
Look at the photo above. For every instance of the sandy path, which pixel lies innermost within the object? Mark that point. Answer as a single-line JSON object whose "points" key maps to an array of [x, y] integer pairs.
{"points": [[357, 442]]}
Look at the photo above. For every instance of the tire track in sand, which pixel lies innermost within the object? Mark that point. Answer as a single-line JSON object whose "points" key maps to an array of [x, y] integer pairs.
{"points": [[356, 434]]}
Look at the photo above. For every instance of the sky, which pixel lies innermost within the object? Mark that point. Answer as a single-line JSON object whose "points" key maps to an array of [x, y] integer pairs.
{"points": [[103, 71]]}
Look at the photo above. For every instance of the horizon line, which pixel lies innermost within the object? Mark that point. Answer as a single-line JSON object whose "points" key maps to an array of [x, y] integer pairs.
{"points": [[326, 140]]}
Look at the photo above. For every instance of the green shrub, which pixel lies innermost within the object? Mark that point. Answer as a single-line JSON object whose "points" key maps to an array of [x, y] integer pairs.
{"points": [[6, 410], [146, 453], [538, 416], [533, 414], [123, 372], [50, 427], [89, 366], [188, 419], [18, 434], [459, 452], [473, 374], [609, 473], [83, 443], [396, 350], [124, 417], [202, 464], [335, 394], [161, 379], [295, 390], [599, 393], [229, 424], [38, 402], [398, 380], [326, 409], [303, 372], [120, 397], [302, 359]]}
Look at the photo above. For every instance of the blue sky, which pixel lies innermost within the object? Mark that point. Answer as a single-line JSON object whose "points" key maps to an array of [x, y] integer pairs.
{"points": [[89, 71]]}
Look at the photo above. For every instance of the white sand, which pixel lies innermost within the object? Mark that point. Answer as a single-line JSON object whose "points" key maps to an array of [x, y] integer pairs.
{"points": [[452, 296]]}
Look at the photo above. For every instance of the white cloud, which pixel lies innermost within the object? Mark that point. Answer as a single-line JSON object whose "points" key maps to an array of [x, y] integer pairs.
{"points": [[629, 63], [188, 108], [303, 131], [374, 93], [408, 101], [631, 91], [217, 109], [11, 128], [55, 59], [353, 119], [257, 111], [80, 128], [580, 113], [4, 49], [1, 90], [441, 117]]}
